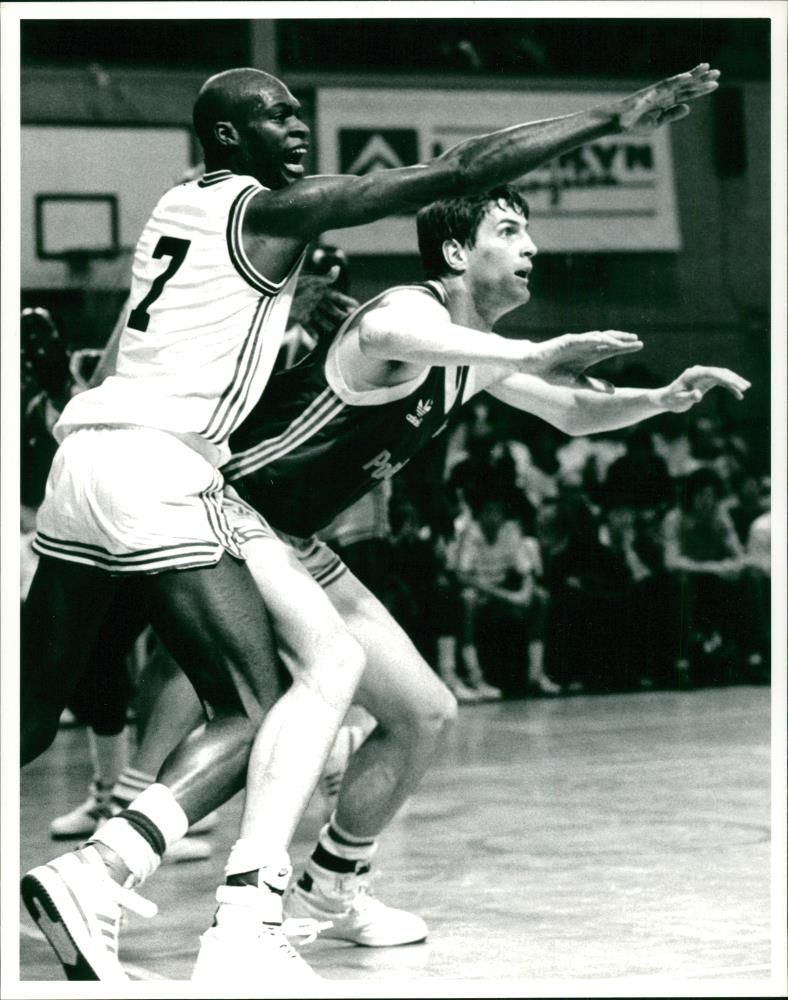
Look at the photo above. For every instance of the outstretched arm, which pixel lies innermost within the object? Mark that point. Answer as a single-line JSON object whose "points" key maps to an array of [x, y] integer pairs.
{"points": [[316, 204], [589, 406], [411, 327]]}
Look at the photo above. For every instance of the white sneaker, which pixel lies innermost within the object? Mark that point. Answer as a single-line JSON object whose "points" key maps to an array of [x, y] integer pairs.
{"points": [[245, 950], [543, 685], [82, 821], [464, 694], [78, 908], [487, 692], [354, 912]]}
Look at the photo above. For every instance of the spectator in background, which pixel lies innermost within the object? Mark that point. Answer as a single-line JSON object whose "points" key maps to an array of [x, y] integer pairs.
{"points": [[483, 451], [703, 551], [672, 443], [584, 460], [596, 577], [503, 606], [640, 474], [747, 502]]}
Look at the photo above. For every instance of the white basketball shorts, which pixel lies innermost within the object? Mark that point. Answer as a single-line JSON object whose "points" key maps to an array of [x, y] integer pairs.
{"points": [[320, 561], [133, 500]]}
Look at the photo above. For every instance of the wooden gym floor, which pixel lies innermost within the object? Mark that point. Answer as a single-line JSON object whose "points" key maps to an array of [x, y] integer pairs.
{"points": [[609, 845]]}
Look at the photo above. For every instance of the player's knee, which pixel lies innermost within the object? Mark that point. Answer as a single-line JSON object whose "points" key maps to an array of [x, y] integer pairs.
{"points": [[338, 667], [435, 714]]}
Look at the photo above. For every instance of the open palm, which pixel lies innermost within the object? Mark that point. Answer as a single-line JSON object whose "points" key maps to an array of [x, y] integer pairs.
{"points": [[666, 102], [693, 384]]}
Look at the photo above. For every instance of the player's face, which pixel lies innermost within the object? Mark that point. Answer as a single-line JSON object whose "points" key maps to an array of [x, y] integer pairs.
{"points": [[274, 139], [500, 261]]}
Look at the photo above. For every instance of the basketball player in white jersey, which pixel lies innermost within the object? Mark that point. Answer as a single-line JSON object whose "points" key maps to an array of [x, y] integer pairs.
{"points": [[133, 508]]}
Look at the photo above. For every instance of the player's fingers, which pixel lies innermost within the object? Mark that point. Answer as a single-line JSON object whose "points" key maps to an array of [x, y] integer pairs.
{"points": [[345, 301], [695, 91], [674, 114], [724, 377], [605, 351], [614, 341], [733, 378], [622, 335]]}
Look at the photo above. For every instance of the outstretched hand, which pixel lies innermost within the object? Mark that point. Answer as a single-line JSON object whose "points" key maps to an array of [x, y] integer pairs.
{"points": [[318, 306], [666, 102], [693, 384], [564, 360]]}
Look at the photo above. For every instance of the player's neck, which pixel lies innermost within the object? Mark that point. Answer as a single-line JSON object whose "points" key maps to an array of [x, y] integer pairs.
{"points": [[464, 311]]}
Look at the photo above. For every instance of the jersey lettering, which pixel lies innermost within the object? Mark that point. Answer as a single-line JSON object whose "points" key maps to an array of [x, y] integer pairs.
{"points": [[175, 249], [382, 467]]}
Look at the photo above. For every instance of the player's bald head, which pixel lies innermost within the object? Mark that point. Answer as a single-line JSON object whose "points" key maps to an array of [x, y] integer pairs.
{"points": [[230, 96]]}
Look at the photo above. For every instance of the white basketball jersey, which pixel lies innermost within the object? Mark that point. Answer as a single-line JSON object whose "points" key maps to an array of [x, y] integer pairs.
{"points": [[204, 326]]}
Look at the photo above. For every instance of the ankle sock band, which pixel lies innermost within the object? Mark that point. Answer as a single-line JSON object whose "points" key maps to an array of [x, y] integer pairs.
{"points": [[131, 844], [340, 866]]}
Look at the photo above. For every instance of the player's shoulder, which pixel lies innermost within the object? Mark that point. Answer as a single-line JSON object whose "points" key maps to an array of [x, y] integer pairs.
{"points": [[216, 185], [427, 296]]}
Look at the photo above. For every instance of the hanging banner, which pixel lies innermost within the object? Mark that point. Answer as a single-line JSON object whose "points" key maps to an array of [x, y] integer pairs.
{"points": [[614, 194]]}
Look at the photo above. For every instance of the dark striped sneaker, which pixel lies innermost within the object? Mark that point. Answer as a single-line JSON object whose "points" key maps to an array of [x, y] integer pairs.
{"points": [[78, 909]]}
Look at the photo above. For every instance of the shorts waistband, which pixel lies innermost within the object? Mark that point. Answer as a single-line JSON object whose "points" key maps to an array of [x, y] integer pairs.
{"points": [[196, 442]]}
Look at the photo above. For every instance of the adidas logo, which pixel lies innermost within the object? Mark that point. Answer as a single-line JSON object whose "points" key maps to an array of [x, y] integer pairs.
{"points": [[422, 409]]}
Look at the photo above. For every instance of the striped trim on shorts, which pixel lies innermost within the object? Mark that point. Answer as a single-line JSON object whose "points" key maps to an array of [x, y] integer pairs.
{"points": [[317, 558], [133, 500]]}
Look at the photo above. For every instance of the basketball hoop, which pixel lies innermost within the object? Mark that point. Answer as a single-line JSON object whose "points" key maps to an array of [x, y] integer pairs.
{"points": [[79, 264]]}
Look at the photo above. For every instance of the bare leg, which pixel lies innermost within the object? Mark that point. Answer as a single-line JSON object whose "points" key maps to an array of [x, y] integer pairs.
{"points": [[412, 706], [175, 713], [410, 702], [215, 624], [326, 664]]}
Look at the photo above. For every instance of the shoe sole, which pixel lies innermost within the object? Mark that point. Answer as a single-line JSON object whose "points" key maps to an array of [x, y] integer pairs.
{"points": [[59, 917], [380, 943]]}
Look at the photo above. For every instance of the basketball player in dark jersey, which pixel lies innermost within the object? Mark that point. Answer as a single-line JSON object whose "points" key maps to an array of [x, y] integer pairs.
{"points": [[326, 432], [186, 378]]}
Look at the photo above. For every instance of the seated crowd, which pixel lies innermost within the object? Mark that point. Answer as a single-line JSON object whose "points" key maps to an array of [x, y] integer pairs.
{"points": [[616, 562]]}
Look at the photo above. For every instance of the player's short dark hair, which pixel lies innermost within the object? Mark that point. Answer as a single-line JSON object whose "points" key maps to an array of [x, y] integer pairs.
{"points": [[458, 219]]}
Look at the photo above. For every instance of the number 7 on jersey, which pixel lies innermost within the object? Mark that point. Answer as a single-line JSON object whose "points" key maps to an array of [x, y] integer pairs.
{"points": [[175, 249]]}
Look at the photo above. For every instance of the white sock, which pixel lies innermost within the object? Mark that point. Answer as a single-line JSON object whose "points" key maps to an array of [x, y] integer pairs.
{"points": [[354, 849], [140, 842], [247, 856]]}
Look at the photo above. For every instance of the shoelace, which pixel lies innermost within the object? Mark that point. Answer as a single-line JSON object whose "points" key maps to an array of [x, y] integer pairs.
{"points": [[130, 900], [304, 929]]}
